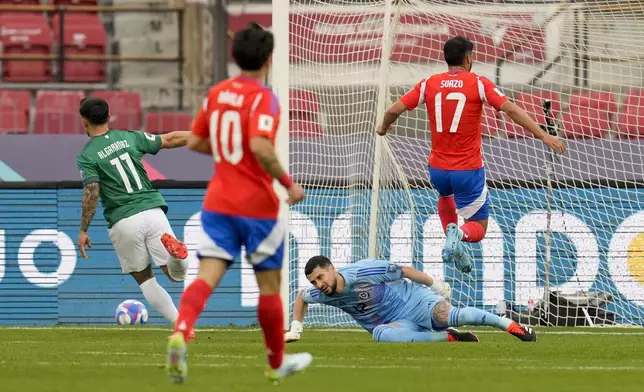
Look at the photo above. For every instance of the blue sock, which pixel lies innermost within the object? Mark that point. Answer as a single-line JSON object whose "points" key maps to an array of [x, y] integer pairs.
{"points": [[387, 334], [473, 316]]}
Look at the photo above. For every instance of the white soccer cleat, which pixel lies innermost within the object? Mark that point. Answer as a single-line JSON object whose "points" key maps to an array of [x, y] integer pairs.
{"points": [[293, 363], [291, 337]]}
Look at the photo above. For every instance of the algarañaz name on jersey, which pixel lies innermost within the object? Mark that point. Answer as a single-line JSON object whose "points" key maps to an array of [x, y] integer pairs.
{"points": [[112, 148]]}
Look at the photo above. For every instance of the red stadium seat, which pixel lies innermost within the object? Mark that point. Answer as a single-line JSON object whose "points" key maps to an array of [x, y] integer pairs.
{"points": [[304, 113], [630, 120], [20, 2], [533, 105], [161, 122], [25, 34], [57, 112], [490, 124], [589, 115], [74, 2], [84, 34], [125, 108], [14, 110]]}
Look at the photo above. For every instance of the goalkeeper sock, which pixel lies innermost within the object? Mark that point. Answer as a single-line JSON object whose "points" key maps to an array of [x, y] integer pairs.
{"points": [[387, 334], [447, 211], [271, 318], [159, 299], [472, 232], [192, 303], [473, 316]]}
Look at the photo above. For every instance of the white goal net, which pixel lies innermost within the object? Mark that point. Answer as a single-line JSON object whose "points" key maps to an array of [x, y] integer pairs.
{"points": [[565, 244]]}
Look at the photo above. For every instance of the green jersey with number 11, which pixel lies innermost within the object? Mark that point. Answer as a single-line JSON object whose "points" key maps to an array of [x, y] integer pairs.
{"points": [[114, 161]]}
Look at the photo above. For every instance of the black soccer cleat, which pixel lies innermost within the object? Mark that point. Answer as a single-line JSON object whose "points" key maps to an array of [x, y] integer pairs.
{"points": [[454, 335], [523, 333]]}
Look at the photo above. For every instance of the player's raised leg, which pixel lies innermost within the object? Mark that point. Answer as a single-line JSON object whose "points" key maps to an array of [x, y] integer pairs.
{"points": [[445, 315], [128, 236], [405, 331], [166, 250]]}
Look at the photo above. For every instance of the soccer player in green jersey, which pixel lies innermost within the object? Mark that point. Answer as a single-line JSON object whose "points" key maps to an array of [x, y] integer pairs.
{"points": [[110, 167]]}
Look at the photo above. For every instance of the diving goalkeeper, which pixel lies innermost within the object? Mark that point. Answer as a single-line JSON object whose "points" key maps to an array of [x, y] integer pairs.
{"points": [[393, 303]]}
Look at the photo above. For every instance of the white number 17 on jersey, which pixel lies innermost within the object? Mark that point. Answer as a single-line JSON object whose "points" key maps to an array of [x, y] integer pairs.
{"points": [[438, 110]]}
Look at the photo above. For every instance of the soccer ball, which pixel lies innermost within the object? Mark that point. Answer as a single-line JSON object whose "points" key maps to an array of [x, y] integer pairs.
{"points": [[131, 312]]}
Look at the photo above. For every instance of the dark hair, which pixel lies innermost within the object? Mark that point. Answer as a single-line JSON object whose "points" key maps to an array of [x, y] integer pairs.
{"points": [[456, 49], [252, 47], [316, 261], [95, 110]]}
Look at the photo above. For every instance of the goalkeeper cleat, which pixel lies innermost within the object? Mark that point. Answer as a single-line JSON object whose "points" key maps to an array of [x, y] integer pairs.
{"points": [[176, 365], [454, 335], [292, 363], [525, 334], [175, 247]]}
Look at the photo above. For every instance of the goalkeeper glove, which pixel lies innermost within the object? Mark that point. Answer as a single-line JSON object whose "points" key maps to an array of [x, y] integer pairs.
{"points": [[297, 327], [442, 288]]}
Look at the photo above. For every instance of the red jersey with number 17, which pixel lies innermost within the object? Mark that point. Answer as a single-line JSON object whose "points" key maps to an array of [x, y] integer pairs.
{"points": [[235, 111], [455, 109]]}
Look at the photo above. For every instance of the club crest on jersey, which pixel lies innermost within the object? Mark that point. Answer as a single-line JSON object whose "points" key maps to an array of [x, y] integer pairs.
{"points": [[363, 292]]}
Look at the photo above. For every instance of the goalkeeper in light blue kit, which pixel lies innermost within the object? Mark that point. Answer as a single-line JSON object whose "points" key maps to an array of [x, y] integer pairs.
{"points": [[394, 303]]}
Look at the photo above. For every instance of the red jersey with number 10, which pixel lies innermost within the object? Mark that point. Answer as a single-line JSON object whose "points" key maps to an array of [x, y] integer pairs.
{"points": [[235, 111], [455, 109]]}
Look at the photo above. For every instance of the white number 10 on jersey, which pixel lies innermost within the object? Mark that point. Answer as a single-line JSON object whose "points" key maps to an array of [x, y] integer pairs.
{"points": [[222, 131]]}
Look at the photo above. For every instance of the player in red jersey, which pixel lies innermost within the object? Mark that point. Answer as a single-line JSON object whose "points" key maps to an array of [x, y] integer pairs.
{"points": [[237, 125], [454, 102]]}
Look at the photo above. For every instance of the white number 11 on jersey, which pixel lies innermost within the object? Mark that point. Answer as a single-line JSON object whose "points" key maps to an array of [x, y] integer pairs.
{"points": [[438, 109], [126, 180]]}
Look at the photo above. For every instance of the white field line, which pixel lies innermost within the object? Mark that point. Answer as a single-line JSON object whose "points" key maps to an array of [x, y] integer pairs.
{"points": [[328, 366], [334, 358], [545, 331]]}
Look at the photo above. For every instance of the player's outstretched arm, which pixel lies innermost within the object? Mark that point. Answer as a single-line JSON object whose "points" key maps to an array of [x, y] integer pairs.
{"points": [[89, 205], [264, 151], [437, 286], [522, 118], [297, 325], [390, 117], [174, 139], [199, 144]]}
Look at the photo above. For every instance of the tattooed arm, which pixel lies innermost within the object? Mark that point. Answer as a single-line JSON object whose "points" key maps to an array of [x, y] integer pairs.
{"points": [[90, 203]]}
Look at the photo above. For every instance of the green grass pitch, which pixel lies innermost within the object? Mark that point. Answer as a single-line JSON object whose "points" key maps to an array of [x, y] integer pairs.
{"points": [[72, 359]]}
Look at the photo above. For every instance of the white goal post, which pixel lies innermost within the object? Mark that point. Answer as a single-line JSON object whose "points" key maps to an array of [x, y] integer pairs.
{"points": [[565, 243]]}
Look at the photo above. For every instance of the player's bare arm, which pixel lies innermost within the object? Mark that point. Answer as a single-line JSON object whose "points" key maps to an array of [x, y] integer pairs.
{"points": [[199, 144], [174, 139], [390, 117], [89, 205], [522, 118], [264, 151]]}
